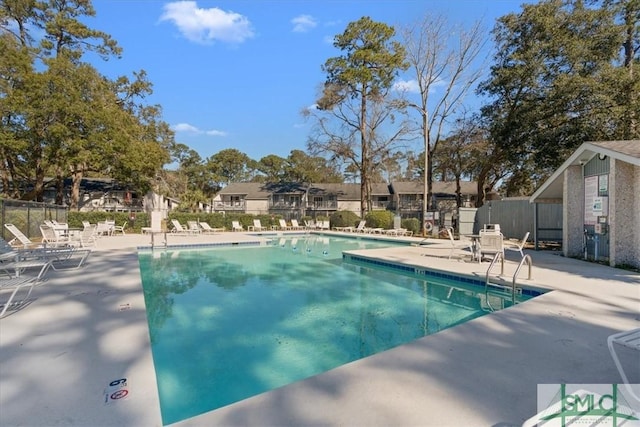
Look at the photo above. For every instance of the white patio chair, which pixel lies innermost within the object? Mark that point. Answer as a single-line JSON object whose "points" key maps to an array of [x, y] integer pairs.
{"points": [[119, 228], [103, 228], [491, 242], [517, 246], [194, 228], [235, 226], [51, 238], [86, 238]]}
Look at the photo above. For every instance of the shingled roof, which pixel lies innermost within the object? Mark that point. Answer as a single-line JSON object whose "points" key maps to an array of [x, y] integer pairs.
{"points": [[437, 187], [626, 151], [348, 191]]}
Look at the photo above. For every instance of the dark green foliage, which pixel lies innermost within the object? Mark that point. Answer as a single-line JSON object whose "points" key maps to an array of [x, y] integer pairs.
{"points": [[380, 219], [411, 224], [344, 219], [135, 220]]}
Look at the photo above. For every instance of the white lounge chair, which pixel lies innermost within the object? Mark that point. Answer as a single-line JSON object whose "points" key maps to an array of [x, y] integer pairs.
{"points": [[257, 226], [178, 228], [283, 225], [235, 226], [458, 244], [398, 232], [12, 279], [206, 228], [360, 228], [20, 237], [323, 225], [517, 246], [66, 257], [295, 225]]}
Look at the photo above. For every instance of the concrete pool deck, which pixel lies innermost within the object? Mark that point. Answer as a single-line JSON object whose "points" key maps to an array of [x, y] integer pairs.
{"points": [[85, 328]]}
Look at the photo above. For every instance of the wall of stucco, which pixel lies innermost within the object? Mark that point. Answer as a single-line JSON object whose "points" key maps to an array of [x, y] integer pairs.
{"points": [[625, 216], [256, 207], [573, 212]]}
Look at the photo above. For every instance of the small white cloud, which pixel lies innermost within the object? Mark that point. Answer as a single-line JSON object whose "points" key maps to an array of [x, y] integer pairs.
{"points": [[303, 23], [216, 133], [187, 128], [207, 25], [407, 86], [411, 86]]}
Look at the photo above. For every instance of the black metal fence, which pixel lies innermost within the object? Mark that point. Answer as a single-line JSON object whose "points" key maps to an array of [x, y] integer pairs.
{"points": [[28, 216]]}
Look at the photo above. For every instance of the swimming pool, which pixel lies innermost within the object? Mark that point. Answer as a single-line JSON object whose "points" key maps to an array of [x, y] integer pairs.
{"points": [[231, 322]]}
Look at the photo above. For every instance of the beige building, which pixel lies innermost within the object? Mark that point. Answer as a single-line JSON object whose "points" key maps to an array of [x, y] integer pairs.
{"points": [[292, 200], [599, 186]]}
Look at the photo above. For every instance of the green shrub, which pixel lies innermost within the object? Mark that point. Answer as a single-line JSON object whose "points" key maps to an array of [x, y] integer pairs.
{"points": [[344, 219], [412, 224], [380, 219], [140, 219]]}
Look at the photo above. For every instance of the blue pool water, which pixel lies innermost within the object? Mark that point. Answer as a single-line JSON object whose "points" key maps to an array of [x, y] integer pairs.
{"points": [[231, 322]]}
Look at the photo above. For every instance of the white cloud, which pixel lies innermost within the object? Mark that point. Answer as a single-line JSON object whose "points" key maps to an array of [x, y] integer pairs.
{"points": [[407, 86], [187, 128], [216, 133], [411, 86], [303, 23], [207, 25]]}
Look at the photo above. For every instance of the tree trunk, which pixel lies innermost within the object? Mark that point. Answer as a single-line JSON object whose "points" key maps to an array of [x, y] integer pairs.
{"points": [[77, 176]]}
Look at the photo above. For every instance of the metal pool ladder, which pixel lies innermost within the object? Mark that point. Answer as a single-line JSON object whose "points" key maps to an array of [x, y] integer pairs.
{"points": [[487, 284]]}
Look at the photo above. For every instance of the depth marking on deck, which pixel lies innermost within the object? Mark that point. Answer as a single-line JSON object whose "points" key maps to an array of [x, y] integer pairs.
{"points": [[123, 307], [116, 390]]}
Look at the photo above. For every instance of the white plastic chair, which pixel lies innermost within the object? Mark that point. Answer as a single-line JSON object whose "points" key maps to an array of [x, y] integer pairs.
{"points": [[490, 243], [519, 246], [119, 228], [194, 228], [235, 226]]}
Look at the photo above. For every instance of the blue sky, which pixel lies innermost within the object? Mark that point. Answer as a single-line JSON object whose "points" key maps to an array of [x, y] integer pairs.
{"points": [[236, 74]]}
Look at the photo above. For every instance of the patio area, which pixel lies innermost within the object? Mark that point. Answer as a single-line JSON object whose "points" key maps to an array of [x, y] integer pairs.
{"points": [[86, 329]]}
